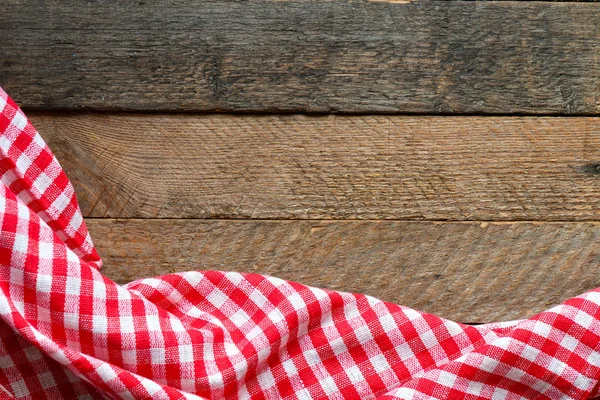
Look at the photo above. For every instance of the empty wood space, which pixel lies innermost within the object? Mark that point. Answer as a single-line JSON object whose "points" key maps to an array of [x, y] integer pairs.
{"points": [[444, 155], [471, 272], [325, 167], [296, 56]]}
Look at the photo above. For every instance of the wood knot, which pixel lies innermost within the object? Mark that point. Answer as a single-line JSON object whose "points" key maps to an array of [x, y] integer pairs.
{"points": [[591, 169]]}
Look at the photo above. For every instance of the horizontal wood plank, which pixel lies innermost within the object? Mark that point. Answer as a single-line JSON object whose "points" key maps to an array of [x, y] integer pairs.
{"points": [[470, 272], [303, 56], [329, 167]]}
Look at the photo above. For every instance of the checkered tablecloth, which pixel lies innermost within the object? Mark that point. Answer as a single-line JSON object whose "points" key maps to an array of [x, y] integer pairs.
{"points": [[66, 331]]}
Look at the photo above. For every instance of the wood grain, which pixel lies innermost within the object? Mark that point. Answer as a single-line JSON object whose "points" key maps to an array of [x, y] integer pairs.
{"points": [[303, 56], [329, 167], [470, 272]]}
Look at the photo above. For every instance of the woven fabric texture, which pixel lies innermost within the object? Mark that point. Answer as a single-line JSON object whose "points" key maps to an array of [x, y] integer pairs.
{"points": [[66, 331]]}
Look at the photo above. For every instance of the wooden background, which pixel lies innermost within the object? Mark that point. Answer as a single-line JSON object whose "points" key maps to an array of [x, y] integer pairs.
{"points": [[444, 155]]}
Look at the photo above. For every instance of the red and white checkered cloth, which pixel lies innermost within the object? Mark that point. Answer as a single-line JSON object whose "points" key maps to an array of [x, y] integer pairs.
{"points": [[68, 332]]}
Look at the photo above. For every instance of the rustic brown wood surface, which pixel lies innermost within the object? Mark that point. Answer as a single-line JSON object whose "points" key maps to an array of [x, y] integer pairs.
{"points": [[472, 272], [332, 56], [474, 218], [329, 167]]}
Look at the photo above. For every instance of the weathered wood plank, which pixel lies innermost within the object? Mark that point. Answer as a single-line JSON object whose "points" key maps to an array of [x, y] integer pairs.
{"points": [[332, 56], [330, 167], [472, 272]]}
